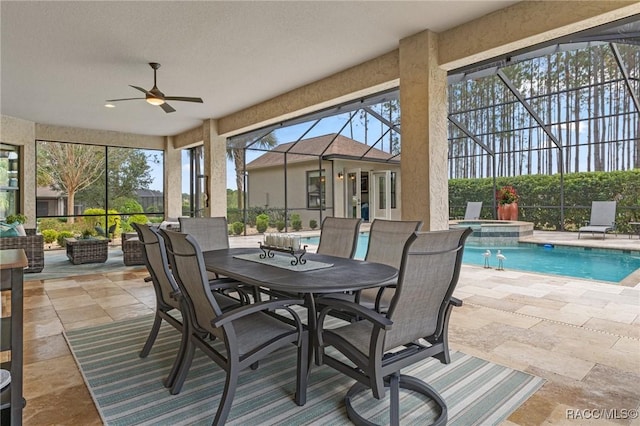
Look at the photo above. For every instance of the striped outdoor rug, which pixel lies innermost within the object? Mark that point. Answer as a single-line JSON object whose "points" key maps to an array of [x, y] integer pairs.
{"points": [[128, 390]]}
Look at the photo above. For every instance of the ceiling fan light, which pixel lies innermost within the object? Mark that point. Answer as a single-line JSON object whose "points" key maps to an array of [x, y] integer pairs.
{"points": [[155, 101]]}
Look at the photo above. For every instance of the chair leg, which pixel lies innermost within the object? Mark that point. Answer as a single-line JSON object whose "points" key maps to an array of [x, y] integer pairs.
{"points": [[180, 357], [184, 368], [230, 384], [153, 334], [302, 373], [394, 399]]}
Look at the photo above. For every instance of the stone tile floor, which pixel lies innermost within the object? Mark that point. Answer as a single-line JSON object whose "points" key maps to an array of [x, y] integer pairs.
{"points": [[582, 336]]}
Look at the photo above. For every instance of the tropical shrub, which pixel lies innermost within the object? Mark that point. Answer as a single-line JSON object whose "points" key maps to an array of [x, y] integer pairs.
{"points": [[262, 222], [62, 235], [296, 222], [237, 227], [313, 224], [49, 235], [280, 225]]}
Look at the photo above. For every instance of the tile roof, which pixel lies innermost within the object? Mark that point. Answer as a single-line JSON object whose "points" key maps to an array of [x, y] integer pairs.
{"points": [[309, 150]]}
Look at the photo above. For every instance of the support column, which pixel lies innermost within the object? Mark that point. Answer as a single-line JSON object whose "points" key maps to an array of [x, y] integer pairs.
{"points": [[424, 106], [173, 179], [215, 168]]}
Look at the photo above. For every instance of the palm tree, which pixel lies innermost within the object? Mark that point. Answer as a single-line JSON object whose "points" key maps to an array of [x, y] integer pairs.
{"points": [[237, 156]]}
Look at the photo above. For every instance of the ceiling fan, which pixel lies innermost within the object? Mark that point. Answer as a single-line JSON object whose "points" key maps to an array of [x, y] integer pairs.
{"points": [[155, 96]]}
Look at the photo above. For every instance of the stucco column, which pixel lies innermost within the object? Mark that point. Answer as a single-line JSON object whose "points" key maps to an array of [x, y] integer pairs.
{"points": [[173, 179], [423, 102], [215, 167]]}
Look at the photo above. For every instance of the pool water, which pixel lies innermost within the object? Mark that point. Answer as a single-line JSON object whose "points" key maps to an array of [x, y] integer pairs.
{"points": [[596, 264]]}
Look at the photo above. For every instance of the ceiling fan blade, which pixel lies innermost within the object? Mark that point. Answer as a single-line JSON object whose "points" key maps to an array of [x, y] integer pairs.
{"points": [[146, 92], [167, 108], [183, 99], [124, 99]]}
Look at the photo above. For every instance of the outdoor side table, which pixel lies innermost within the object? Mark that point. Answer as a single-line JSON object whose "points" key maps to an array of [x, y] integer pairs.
{"points": [[94, 250]]}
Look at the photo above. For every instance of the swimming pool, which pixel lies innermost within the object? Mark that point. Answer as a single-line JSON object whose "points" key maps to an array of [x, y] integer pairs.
{"points": [[596, 264]]}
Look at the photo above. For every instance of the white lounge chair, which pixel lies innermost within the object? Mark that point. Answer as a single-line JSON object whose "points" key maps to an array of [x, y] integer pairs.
{"points": [[603, 216], [473, 210]]}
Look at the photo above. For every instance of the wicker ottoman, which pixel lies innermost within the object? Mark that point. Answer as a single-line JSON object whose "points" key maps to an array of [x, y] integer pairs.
{"points": [[132, 249], [87, 251]]}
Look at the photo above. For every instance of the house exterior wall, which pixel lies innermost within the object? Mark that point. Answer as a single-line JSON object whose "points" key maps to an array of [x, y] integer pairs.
{"points": [[266, 188]]}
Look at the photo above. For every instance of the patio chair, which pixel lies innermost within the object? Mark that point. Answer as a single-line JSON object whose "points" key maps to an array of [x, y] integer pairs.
{"points": [[168, 296], [473, 210], [386, 241], [212, 233], [415, 327], [339, 236], [244, 335], [603, 216]]}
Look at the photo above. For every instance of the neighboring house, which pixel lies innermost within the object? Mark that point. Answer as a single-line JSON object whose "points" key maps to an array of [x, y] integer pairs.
{"points": [[356, 180], [50, 202]]}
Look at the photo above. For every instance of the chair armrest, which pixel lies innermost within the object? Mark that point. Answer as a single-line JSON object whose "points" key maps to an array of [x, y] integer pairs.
{"points": [[455, 301], [253, 308], [354, 308]]}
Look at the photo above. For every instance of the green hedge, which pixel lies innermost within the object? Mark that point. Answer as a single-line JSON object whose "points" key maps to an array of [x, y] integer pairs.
{"points": [[539, 197]]}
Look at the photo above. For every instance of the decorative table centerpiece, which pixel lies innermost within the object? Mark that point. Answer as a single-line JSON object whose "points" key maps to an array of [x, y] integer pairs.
{"points": [[283, 243]]}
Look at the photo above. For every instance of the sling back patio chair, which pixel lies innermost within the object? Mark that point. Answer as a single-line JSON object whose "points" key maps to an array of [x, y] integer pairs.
{"points": [[473, 210], [243, 335], [168, 296], [386, 241], [415, 327], [603, 217], [212, 233], [339, 236]]}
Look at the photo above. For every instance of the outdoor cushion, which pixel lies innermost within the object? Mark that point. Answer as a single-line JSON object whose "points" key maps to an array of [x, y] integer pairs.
{"points": [[8, 230]]}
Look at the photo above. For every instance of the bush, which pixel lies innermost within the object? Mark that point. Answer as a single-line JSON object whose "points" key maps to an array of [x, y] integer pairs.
{"points": [[313, 224], [62, 235], [262, 222], [237, 227], [280, 225], [135, 218], [49, 235], [296, 222]]}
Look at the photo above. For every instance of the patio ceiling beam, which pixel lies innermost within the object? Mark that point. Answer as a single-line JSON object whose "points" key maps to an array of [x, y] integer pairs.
{"points": [[381, 118], [625, 74], [529, 109]]}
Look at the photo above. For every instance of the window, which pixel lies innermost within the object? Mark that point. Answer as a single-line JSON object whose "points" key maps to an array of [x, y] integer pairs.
{"points": [[91, 189], [316, 189], [9, 180]]}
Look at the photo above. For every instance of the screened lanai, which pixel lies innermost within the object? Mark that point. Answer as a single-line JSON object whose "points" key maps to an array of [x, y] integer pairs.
{"points": [[557, 110]]}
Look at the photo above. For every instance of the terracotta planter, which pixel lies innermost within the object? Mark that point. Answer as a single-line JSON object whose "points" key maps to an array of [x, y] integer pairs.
{"points": [[508, 211]]}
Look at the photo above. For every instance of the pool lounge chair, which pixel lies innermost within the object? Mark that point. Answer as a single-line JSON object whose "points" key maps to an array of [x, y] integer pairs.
{"points": [[603, 216], [473, 210]]}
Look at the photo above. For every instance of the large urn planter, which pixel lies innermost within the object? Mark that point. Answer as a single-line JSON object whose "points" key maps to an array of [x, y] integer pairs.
{"points": [[508, 211]]}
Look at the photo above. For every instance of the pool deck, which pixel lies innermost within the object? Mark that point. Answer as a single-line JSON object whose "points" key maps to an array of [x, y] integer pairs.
{"points": [[581, 336]]}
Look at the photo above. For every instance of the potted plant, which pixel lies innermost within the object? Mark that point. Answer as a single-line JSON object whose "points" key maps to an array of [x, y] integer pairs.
{"points": [[16, 218], [507, 198]]}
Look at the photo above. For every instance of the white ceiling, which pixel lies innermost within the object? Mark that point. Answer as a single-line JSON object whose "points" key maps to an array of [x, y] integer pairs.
{"points": [[60, 61]]}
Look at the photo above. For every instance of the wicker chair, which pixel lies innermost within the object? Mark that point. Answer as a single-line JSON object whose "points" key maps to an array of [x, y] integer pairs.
{"points": [[414, 328], [132, 249], [33, 246]]}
